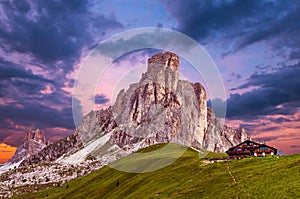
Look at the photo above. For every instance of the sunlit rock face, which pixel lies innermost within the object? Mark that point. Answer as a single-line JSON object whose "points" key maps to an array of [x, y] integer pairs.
{"points": [[219, 137], [160, 108]]}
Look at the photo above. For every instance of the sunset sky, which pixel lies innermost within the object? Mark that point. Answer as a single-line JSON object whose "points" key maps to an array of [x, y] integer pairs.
{"points": [[6, 152], [255, 45]]}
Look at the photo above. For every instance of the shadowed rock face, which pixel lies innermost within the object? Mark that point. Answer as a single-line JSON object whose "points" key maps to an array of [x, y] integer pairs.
{"points": [[219, 137], [160, 108], [52, 152], [33, 142]]}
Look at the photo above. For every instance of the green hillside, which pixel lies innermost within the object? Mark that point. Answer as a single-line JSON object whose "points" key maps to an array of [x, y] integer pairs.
{"points": [[190, 176]]}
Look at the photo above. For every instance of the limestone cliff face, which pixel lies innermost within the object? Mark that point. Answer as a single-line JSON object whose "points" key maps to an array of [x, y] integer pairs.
{"points": [[53, 151], [160, 108], [220, 137], [94, 125], [33, 142]]}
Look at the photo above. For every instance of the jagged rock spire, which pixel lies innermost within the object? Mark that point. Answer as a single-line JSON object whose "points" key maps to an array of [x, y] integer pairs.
{"points": [[33, 142], [160, 108], [167, 59]]}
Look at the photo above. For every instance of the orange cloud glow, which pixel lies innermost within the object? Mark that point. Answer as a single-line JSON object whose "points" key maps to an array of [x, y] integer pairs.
{"points": [[6, 152]]}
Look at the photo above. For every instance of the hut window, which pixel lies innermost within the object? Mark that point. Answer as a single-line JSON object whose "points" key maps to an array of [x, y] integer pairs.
{"points": [[263, 148]]}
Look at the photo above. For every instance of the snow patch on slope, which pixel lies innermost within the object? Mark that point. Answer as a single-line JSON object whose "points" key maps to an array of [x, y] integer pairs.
{"points": [[9, 165], [80, 155]]}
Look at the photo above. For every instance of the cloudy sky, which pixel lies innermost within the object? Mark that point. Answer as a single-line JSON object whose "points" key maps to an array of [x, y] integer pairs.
{"points": [[255, 45]]}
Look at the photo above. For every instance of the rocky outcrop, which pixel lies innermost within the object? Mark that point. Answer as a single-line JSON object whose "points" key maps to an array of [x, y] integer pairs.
{"points": [[33, 142], [94, 125], [40, 176], [160, 108], [165, 59], [52, 152], [220, 137]]}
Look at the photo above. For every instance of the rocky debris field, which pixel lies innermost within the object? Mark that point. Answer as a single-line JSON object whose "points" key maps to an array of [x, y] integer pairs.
{"points": [[36, 177]]}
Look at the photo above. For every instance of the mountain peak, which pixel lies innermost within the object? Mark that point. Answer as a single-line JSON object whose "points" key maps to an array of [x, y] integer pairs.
{"points": [[167, 59], [36, 135], [33, 142], [160, 108]]}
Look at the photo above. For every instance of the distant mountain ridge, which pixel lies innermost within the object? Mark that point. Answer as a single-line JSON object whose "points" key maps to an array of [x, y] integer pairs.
{"points": [[34, 141]]}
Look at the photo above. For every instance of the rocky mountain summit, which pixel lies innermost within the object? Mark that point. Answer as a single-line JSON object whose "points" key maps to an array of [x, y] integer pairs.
{"points": [[52, 152], [34, 141], [160, 108]]}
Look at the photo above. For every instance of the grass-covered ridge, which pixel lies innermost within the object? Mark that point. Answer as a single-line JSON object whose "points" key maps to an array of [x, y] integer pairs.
{"points": [[189, 177]]}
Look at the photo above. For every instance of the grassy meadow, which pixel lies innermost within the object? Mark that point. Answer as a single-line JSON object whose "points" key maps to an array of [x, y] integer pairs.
{"points": [[190, 176]]}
